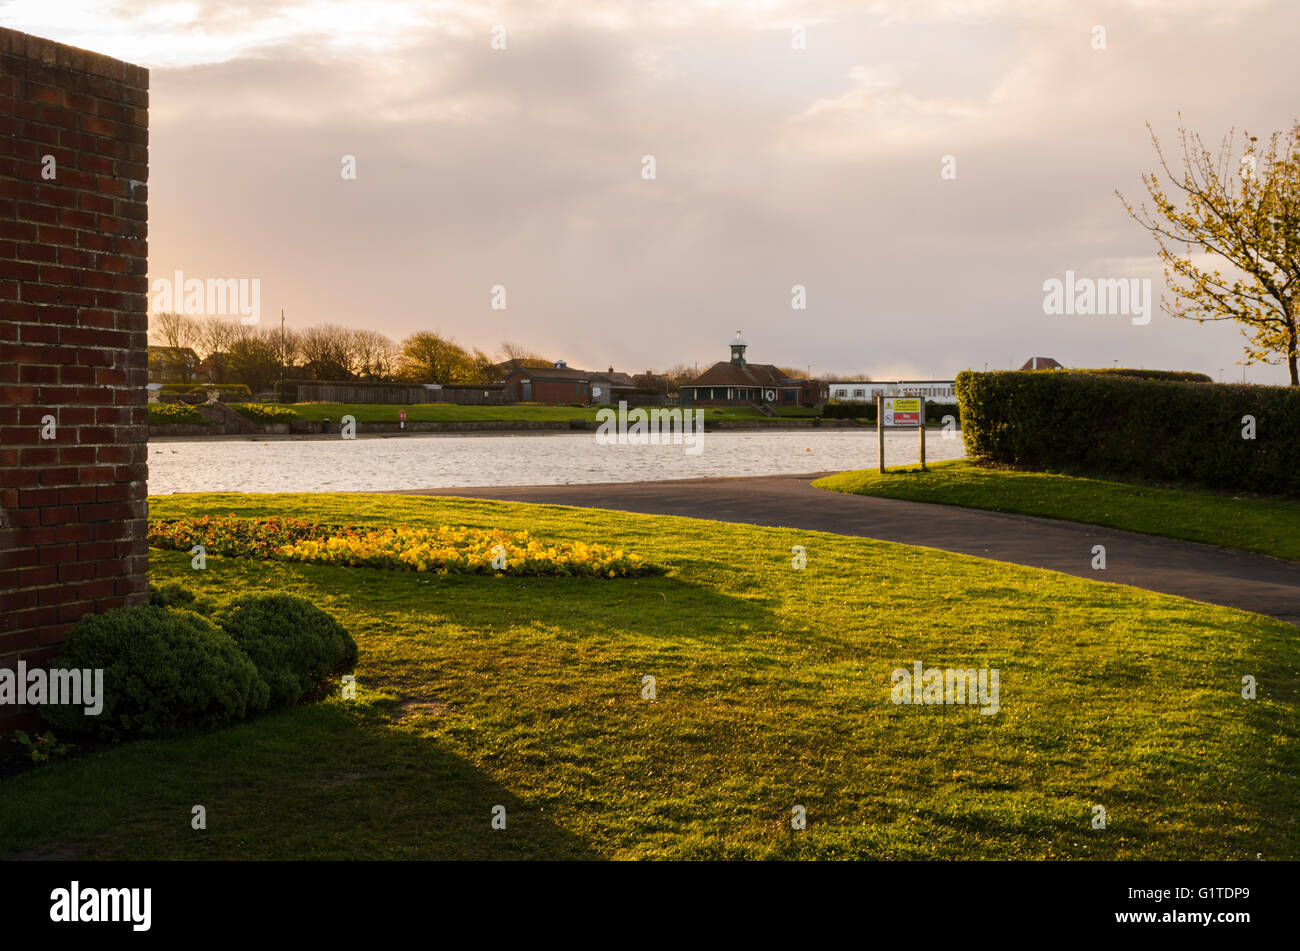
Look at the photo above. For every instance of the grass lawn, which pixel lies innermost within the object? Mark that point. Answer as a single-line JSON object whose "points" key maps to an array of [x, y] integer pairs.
{"points": [[1250, 523], [773, 690], [443, 412]]}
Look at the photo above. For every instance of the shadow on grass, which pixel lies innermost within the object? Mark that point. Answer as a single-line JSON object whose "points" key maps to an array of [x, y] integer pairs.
{"points": [[582, 607], [334, 781]]}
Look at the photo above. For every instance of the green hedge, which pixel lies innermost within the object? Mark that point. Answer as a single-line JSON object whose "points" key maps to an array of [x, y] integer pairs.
{"points": [[1109, 424], [1183, 376], [225, 389], [849, 411]]}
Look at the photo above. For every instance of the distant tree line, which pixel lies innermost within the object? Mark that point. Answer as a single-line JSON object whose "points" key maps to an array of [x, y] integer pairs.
{"points": [[253, 355]]}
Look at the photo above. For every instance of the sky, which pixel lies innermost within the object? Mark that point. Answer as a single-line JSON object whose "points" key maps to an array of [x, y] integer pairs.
{"points": [[794, 143]]}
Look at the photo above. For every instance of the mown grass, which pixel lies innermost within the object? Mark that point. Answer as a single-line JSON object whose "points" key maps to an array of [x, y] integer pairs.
{"points": [[446, 412], [773, 690], [1249, 523]]}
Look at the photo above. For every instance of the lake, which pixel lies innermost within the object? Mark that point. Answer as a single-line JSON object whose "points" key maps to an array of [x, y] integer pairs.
{"points": [[428, 461]]}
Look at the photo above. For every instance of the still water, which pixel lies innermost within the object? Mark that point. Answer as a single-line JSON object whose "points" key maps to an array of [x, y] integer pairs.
{"points": [[430, 461]]}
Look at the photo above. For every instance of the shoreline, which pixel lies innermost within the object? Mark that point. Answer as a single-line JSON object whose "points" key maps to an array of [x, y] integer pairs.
{"points": [[507, 428]]}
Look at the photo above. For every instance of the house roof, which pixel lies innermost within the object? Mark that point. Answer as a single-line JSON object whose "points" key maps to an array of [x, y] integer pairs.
{"points": [[751, 374], [561, 374], [1044, 363], [173, 353], [616, 378]]}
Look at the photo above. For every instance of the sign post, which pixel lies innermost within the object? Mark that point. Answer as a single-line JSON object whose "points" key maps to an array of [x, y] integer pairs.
{"points": [[880, 431], [899, 412]]}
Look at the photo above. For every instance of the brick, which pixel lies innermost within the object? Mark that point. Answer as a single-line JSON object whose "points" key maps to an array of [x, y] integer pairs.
{"points": [[73, 322]]}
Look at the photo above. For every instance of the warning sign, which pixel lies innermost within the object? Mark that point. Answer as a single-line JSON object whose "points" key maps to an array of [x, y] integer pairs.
{"points": [[902, 411]]}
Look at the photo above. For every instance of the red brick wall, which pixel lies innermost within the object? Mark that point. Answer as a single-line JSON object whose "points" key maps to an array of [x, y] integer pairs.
{"points": [[73, 292]]}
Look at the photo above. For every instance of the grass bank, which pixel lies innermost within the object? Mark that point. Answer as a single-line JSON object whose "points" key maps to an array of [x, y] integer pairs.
{"points": [[1249, 523], [773, 690]]}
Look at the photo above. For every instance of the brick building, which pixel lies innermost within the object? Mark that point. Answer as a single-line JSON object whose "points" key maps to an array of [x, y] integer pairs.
{"points": [[73, 451], [555, 385]]}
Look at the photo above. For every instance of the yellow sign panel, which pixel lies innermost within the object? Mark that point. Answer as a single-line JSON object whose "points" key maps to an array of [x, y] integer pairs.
{"points": [[907, 405]]}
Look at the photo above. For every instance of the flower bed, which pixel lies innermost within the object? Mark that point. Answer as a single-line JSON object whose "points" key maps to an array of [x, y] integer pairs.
{"points": [[264, 412], [172, 414], [444, 550]]}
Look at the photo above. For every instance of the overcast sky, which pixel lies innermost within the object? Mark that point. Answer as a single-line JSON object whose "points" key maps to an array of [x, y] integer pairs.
{"points": [[775, 166]]}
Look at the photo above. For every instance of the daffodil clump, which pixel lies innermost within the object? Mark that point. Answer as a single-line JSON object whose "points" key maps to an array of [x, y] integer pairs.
{"points": [[445, 550]]}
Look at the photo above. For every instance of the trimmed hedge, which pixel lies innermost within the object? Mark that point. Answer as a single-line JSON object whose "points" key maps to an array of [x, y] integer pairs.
{"points": [[1108, 424], [198, 392], [225, 389], [849, 411], [1183, 376]]}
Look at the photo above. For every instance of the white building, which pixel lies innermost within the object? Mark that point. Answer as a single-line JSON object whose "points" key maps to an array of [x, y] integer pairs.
{"points": [[935, 391]]}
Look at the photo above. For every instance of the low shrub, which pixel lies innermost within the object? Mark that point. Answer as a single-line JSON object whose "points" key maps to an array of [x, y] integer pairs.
{"points": [[264, 412], [175, 414], [1106, 424], [298, 649], [163, 671]]}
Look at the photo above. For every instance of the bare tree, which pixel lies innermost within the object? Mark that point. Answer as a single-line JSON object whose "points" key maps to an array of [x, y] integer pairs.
{"points": [[327, 352], [215, 337], [173, 330], [254, 358], [681, 373], [373, 355], [524, 356]]}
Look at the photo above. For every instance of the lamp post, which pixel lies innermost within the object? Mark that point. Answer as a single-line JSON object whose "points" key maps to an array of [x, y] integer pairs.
{"points": [[284, 354]]}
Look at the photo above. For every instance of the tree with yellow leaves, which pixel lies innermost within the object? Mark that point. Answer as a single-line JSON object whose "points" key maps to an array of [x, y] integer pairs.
{"points": [[1246, 212]]}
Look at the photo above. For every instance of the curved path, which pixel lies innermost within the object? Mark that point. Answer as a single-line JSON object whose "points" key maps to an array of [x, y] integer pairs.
{"points": [[1201, 572]]}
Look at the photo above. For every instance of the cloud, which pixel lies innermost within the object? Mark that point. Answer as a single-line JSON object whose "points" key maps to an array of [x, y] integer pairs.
{"points": [[776, 166]]}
